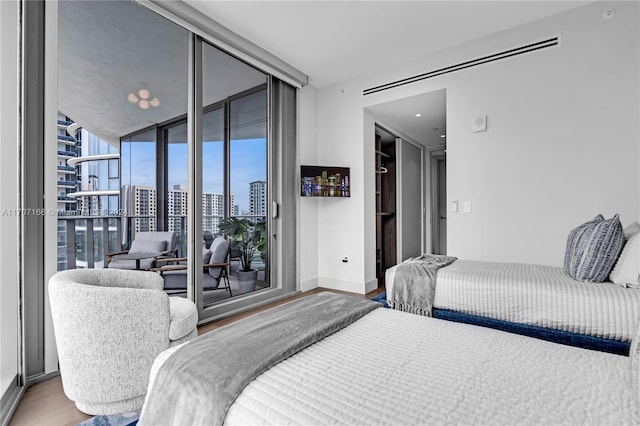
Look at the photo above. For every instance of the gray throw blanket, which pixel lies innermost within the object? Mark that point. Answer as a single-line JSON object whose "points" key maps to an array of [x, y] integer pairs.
{"points": [[414, 283], [198, 383]]}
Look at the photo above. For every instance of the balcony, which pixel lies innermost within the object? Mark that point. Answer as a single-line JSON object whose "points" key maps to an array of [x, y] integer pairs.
{"points": [[67, 183], [66, 169], [65, 123], [85, 240], [66, 138], [67, 199], [69, 154]]}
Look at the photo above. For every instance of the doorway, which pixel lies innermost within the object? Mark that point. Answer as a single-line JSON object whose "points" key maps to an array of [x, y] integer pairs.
{"points": [[439, 202]]}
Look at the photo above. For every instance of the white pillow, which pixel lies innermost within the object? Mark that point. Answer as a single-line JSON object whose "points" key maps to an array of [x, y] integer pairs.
{"points": [[141, 246], [631, 229], [626, 271]]}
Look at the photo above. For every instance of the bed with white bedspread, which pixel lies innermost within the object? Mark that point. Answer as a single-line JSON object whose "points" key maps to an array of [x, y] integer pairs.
{"points": [[535, 295], [593, 301], [390, 367]]}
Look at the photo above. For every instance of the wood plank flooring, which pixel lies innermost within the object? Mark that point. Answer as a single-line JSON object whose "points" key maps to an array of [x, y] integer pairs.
{"points": [[45, 404]]}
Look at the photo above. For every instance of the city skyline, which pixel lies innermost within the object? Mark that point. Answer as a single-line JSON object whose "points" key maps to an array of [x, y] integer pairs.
{"points": [[243, 152]]}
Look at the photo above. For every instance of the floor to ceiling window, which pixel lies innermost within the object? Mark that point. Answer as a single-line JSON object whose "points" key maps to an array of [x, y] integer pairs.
{"points": [[124, 80], [118, 74]]}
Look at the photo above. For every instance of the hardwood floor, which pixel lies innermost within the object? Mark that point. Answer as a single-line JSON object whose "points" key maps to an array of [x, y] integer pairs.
{"points": [[45, 404]]}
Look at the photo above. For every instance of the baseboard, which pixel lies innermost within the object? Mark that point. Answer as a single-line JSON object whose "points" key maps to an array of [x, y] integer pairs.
{"points": [[348, 286], [10, 400], [371, 285], [41, 378], [309, 284]]}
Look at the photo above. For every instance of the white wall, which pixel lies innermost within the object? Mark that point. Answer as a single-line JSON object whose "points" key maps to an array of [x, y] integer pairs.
{"points": [[307, 207], [562, 143], [9, 284], [562, 140]]}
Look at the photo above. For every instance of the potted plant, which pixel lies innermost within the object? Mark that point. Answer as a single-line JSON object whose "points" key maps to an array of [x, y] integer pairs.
{"points": [[245, 238]]}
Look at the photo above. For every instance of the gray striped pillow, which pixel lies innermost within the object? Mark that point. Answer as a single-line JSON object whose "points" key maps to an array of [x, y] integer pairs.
{"points": [[593, 248]]}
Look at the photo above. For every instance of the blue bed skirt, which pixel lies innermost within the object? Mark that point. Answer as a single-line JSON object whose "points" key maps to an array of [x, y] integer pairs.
{"points": [[556, 336]]}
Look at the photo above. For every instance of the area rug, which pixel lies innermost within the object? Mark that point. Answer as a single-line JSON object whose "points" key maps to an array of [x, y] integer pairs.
{"points": [[381, 298], [126, 419]]}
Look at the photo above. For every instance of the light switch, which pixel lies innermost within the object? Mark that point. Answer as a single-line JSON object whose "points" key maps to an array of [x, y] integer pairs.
{"points": [[466, 207], [454, 206]]}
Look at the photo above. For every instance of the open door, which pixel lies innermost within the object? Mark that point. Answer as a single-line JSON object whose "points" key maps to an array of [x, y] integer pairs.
{"points": [[410, 202], [439, 202]]}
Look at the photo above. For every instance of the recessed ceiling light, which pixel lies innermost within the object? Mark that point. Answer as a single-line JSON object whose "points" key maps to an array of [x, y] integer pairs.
{"points": [[443, 136], [418, 115]]}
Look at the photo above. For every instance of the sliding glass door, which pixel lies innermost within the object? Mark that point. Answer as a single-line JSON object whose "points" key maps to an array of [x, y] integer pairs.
{"points": [[183, 123], [234, 169]]}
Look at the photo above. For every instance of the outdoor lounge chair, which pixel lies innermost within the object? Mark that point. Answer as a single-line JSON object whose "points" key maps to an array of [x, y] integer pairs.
{"points": [[215, 263], [155, 244]]}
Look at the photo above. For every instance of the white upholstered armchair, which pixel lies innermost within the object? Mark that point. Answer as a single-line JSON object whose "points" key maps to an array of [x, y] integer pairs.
{"points": [[110, 325]]}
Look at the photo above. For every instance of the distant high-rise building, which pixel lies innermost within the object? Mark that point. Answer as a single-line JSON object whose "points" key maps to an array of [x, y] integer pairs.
{"points": [[212, 209], [258, 198], [67, 175], [177, 208], [140, 207]]}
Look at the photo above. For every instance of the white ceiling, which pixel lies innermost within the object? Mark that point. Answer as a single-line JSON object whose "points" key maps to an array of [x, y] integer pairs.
{"points": [[426, 129], [333, 41], [108, 49]]}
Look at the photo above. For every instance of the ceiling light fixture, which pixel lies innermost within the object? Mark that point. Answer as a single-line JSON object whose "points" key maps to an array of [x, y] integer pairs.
{"points": [[418, 115], [142, 99], [443, 136]]}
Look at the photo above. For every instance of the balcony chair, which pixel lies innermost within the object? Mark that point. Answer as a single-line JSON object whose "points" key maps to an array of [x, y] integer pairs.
{"points": [[160, 243], [109, 326], [215, 263]]}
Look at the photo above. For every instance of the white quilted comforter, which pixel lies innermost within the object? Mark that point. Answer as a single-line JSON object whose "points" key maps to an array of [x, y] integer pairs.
{"points": [[537, 295], [396, 368]]}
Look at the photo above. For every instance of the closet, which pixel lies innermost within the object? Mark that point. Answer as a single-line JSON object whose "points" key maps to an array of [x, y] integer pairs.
{"points": [[385, 164]]}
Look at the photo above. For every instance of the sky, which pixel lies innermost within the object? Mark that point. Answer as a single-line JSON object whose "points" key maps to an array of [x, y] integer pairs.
{"points": [[247, 159]]}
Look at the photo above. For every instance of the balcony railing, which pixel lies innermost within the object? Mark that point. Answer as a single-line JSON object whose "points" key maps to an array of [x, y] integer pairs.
{"points": [[67, 183], [65, 122], [67, 153], [85, 240], [67, 138], [66, 169]]}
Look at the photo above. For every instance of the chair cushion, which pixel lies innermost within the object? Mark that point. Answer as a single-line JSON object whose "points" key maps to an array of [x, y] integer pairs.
{"points": [[184, 317], [206, 255], [148, 246], [219, 252], [130, 264], [593, 248]]}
